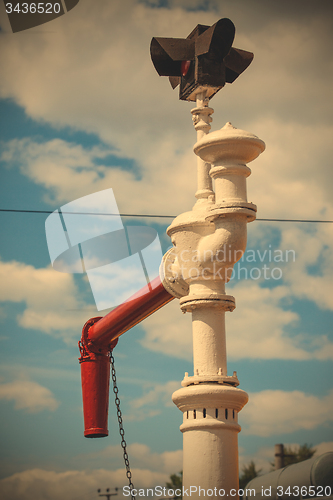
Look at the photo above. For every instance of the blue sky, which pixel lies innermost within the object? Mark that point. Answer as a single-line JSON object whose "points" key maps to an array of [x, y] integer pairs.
{"points": [[82, 110]]}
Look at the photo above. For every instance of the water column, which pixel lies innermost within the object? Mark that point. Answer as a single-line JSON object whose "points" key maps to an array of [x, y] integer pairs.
{"points": [[215, 232]]}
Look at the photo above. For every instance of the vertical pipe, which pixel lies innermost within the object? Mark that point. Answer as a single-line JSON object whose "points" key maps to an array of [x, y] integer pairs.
{"points": [[95, 380], [210, 400], [279, 456], [201, 119], [209, 343], [215, 468]]}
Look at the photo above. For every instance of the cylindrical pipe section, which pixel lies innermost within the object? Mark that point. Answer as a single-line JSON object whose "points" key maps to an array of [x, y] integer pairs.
{"points": [[279, 456], [306, 475], [95, 379], [214, 471], [230, 181], [230, 187], [130, 313], [202, 119], [209, 343]]}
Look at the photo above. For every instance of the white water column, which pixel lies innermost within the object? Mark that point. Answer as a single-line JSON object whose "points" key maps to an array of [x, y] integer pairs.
{"points": [[208, 241]]}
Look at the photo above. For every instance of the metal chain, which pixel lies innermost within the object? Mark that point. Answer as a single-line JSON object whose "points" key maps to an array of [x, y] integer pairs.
{"points": [[121, 428]]}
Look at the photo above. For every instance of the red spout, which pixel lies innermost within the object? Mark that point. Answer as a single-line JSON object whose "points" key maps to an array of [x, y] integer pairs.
{"points": [[95, 379], [99, 337]]}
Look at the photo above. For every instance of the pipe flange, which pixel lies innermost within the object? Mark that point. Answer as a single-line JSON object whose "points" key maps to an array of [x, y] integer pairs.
{"points": [[210, 396], [238, 169], [233, 208], [234, 203], [89, 347], [209, 425], [204, 379], [218, 300], [173, 284]]}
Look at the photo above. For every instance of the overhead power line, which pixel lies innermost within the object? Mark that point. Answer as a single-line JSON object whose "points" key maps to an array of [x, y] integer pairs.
{"points": [[296, 220], [150, 215]]}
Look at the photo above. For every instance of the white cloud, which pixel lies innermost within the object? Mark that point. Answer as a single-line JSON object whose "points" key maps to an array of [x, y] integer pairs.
{"points": [[65, 370], [169, 331], [257, 328], [69, 171], [117, 54], [313, 249], [274, 412], [159, 392], [167, 462], [51, 298], [150, 403], [283, 177], [289, 180], [29, 396], [324, 447], [121, 98], [38, 484], [147, 123], [262, 458], [141, 457], [148, 468]]}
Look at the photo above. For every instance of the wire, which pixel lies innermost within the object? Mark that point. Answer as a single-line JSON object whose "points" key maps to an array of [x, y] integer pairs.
{"points": [[152, 215], [85, 213], [296, 220]]}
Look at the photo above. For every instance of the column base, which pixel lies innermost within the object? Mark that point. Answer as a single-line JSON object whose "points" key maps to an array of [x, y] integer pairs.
{"points": [[210, 429]]}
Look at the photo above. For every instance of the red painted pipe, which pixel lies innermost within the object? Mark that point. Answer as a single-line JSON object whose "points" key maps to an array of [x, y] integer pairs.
{"points": [[95, 379], [99, 337], [130, 313]]}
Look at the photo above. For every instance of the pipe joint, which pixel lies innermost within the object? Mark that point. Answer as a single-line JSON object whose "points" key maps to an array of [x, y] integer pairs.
{"points": [[89, 349], [209, 240]]}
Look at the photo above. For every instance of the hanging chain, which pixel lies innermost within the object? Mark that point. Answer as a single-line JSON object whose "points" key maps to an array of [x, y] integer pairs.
{"points": [[121, 428]]}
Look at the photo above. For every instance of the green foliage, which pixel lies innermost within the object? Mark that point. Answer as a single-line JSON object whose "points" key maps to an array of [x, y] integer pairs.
{"points": [[296, 455], [176, 482], [248, 472], [304, 452]]}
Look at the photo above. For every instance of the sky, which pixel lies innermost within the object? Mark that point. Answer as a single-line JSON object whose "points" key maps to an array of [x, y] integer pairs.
{"points": [[83, 110]]}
